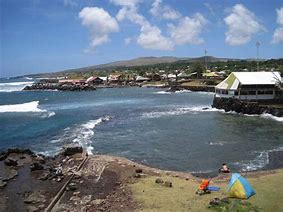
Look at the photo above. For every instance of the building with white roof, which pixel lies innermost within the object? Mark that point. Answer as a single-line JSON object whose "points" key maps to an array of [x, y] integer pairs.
{"points": [[249, 85]]}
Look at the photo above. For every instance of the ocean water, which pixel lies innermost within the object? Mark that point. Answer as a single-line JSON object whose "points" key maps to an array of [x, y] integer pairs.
{"points": [[178, 131]]}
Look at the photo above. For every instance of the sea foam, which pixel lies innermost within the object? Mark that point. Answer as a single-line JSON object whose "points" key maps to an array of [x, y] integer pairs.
{"points": [[81, 134], [181, 111], [259, 162]]}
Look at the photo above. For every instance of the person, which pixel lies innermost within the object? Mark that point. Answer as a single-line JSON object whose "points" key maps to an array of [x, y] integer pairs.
{"points": [[203, 187], [204, 184], [224, 168]]}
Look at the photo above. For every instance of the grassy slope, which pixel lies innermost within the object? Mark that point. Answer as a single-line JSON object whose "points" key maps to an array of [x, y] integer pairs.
{"points": [[182, 197]]}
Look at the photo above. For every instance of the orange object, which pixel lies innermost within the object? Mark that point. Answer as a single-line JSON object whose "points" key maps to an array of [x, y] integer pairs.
{"points": [[204, 184]]}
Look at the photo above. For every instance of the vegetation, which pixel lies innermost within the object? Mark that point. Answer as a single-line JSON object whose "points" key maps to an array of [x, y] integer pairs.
{"points": [[187, 66], [182, 197]]}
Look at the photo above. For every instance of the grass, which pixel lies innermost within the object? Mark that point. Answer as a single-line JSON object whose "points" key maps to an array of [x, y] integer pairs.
{"points": [[181, 197], [193, 83]]}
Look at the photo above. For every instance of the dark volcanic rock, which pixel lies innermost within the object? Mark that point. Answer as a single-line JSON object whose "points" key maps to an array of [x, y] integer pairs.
{"points": [[11, 162], [8, 174], [34, 198], [138, 170], [3, 156], [58, 86], [36, 166], [72, 149], [245, 107], [2, 184]]}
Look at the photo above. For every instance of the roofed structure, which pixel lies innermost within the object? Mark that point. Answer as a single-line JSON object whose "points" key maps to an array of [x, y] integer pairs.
{"points": [[249, 85]]}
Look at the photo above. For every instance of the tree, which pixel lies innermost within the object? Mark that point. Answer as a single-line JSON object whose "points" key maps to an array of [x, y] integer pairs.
{"points": [[198, 68]]}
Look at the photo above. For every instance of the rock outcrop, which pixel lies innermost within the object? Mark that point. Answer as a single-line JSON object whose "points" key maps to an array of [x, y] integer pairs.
{"points": [[245, 107], [59, 87], [71, 149]]}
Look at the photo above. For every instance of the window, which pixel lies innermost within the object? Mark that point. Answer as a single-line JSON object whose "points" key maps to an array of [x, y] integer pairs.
{"points": [[244, 93], [260, 92], [268, 92], [251, 93]]}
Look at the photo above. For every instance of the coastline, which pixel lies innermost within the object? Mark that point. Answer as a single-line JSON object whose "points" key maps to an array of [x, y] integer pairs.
{"points": [[104, 182]]}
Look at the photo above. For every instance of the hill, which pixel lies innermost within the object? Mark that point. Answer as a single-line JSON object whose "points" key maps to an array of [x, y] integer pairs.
{"points": [[137, 62]]}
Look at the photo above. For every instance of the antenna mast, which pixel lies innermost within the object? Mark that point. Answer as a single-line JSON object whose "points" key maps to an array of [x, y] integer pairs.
{"points": [[205, 55], [257, 54]]}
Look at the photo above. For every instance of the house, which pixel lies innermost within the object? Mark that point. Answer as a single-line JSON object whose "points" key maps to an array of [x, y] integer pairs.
{"points": [[104, 79], [142, 79], [249, 85], [94, 80], [114, 78], [72, 82], [210, 75]]}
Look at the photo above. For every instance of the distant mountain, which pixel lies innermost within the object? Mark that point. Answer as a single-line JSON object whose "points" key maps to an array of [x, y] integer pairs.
{"points": [[141, 61]]}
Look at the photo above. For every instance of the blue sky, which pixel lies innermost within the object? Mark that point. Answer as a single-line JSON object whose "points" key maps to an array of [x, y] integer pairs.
{"points": [[45, 36]]}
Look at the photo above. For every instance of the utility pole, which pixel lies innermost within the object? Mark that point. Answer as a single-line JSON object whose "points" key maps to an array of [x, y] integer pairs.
{"points": [[257, 54], [205, 55]]}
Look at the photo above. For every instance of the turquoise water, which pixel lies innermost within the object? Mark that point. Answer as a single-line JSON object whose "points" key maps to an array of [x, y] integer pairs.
{"points": [[169, 131]]}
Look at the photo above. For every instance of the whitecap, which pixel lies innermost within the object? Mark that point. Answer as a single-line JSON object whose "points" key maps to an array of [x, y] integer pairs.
{"points": [[163, 92], [14, 86], [260, 161], [176, 92], [28, 78], [81, 134], [29, 107], [269, 116], [181, 111], [24, 107]]}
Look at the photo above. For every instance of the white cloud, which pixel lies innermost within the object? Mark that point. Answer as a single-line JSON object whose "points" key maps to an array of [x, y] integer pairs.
{"points": [[278, 33], [128, 41], [188, 30], [280, 16], [164, 11], [99, 23], [242, 25], [151, 38], [126, 3]]}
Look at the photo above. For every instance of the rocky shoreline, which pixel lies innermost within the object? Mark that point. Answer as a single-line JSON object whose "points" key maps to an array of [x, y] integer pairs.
{"points": [[91, 183], [245, 107], [59, 87]]}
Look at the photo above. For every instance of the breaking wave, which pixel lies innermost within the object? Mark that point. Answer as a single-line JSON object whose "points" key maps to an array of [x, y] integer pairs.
{"points": [[14, 86], [269, 116], [29, 107], [81, 134], [180, 111], [24, 107], [176, 92], [260, 161]]}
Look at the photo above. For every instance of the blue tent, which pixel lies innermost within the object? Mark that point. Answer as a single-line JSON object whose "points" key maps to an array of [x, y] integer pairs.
{"points": [[239, 187]]}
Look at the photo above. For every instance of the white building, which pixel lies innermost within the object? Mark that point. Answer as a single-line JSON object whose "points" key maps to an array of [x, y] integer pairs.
{"points": [[249, 85], [142, 79]]}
